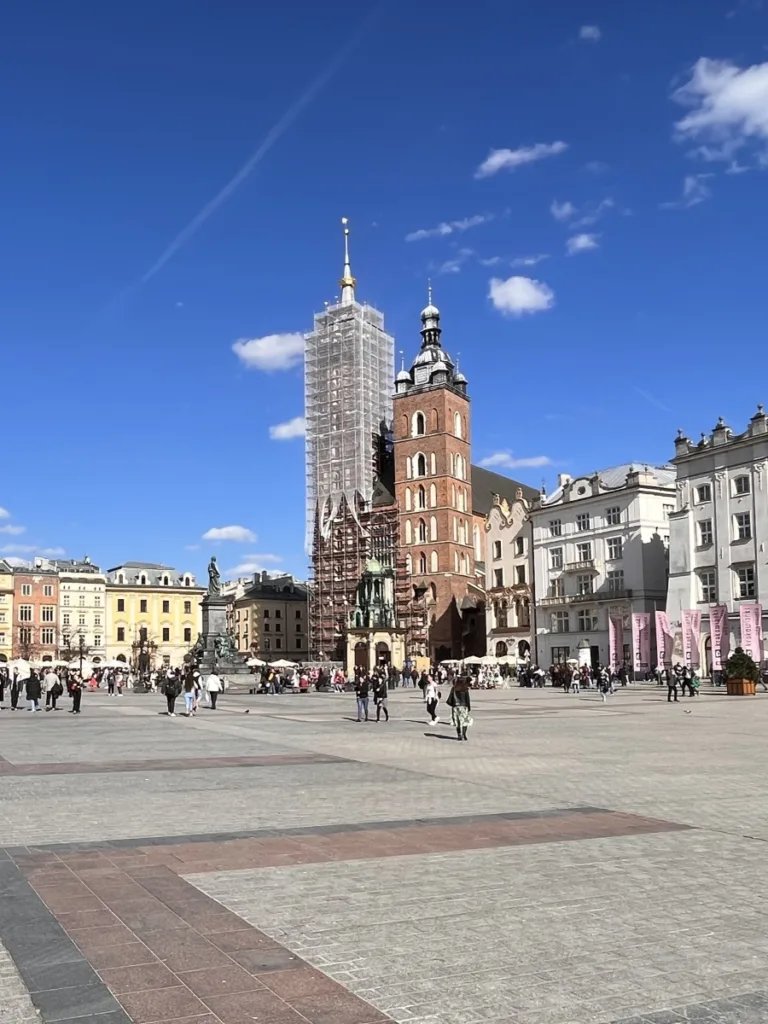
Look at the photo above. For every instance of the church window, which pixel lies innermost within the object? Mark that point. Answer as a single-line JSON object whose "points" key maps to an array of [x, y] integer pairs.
{"points": [[408, 468], [433, 562], [408, 532], [433, 527], [432, 496], [421, 465], [453, 494], [407, 499], [455, 528], [422, 562], [419, 425], [456, 561], [433, 464], [422, 497], [457, 424], [408, 565], [432, 587], [435, 420], [453, 466], [422, 531]]}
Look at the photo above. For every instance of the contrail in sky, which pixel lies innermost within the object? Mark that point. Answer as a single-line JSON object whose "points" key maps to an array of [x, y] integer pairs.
{"points": [[272, 136]]}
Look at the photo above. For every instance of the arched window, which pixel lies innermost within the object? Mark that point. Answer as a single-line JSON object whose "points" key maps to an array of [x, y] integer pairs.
{"points": [[464, 565], [435, 420], [476, 542], [418, 425], [143, 579], [422, 531], [409, 565], [421, 465], [407, 499], [432, 464], [456, 561], [408, 468], [432, 496], [433, 590], [452, 464], [457, 424], [405, 426], [121, 578], [433, 562], [422, 502], [408, 532], [422, 562], [433, 527], [165, 581], [453, 495], [455, 528]]}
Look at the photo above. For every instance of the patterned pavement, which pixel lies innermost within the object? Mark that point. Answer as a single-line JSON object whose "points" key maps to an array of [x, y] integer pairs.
{"points": [[573, 864]]}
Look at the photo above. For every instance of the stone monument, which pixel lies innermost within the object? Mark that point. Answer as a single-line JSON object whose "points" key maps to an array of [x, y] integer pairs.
{"points": [[215, 649]]}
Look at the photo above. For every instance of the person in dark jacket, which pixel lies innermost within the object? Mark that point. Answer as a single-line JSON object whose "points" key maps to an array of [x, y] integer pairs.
{"points": [[362, 687], [461, 706], [76, 693], [380, 695], [33, 690], [15, 690], [172, 689]]}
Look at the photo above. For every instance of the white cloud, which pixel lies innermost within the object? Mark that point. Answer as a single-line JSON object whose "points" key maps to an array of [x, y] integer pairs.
{"points": [[253, 563], [297, 427], [239, 534], [272, 352], [17, 549], [451, 227], [14, 531], [562, 211], [590, 33], [596, 167], [18, 563], [491, 261], [510, 159], [581, 243], [520, 295], [695, 191], [508, 461], [592, 213], [4, 513], [729, 108], [530, 261], [51, 552]]}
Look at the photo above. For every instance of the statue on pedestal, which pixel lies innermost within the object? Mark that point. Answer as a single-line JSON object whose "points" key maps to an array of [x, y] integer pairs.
{"points": [[214, 578]]}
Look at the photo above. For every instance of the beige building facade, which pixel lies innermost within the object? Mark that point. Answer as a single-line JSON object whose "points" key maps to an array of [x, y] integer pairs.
{"points": [[509, 578], [151, 597], [270, 619], [82, 611]]}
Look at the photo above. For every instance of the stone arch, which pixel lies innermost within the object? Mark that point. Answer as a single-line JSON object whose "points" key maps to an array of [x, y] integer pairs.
{"points": [[432, 496], [418, 424], [407, 499], [501, 649], [433, 527]]}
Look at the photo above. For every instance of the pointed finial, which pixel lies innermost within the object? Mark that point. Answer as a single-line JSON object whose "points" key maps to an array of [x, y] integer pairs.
{"points": [[402, 359], [347, 282], [429, 291]]}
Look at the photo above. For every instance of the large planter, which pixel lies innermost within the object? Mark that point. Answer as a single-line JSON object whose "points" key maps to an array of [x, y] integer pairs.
{"points": [[740, 688]]}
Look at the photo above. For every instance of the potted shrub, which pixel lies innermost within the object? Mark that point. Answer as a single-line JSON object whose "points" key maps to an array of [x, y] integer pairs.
{"points": [[741, 674]]}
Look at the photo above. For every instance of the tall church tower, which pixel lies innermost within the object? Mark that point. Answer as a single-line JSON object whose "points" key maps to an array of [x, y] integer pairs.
{"points": [[433, 485]]}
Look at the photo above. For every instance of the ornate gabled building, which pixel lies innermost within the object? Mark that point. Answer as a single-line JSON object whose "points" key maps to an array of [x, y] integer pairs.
{"points": [[509, 577], [433, 486]]}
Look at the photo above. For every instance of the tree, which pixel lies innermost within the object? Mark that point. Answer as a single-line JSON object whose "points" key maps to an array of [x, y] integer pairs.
{"points": [[25, 643], [741, 666]]}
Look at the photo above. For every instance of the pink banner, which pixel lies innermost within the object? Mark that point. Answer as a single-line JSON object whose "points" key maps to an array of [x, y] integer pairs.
{"points": [[641, 641], [718, 624], [751, 616], [691, 633], [664, 641], [615, 640]]}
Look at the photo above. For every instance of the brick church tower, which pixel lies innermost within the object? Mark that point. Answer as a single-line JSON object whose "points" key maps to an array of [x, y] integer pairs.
{"points": [[433, 487]]}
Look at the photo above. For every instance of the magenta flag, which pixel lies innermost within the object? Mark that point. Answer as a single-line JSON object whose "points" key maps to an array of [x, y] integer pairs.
{"points": [[615, 639], [718, 623], [664, 640], [751, 616], [641, 641], [691, 633]]}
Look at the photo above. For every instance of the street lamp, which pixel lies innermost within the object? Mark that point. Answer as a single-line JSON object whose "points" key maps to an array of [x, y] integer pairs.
{"points": [[79, 651], [143, 651]]}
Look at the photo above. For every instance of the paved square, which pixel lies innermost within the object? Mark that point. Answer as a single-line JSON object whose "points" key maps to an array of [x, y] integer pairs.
{"points": [[574, 863]]}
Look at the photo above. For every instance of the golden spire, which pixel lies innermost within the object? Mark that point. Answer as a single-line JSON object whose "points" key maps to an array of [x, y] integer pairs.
{"points": [[347, 282]]}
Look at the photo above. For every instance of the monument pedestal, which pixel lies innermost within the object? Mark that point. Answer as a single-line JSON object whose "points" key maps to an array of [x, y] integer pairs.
{"points": [[231, 665]]}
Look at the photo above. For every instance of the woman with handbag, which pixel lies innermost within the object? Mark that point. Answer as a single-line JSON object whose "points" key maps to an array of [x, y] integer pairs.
{"points": [[461, 707]]}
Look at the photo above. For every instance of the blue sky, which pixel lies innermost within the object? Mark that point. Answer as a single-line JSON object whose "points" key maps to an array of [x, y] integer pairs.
{"points": [[625, 143]]}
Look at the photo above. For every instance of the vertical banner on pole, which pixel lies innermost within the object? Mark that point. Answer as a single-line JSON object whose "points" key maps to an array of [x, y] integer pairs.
{"points": [[751, 617], [664, 641], [615, 640], [691, 633], [641, 641], [718, 623]]}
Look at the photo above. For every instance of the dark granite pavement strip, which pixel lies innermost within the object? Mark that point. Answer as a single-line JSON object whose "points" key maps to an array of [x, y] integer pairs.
{"points": [[165, 764], [61, 983], [747, 1008], [314, 830]]}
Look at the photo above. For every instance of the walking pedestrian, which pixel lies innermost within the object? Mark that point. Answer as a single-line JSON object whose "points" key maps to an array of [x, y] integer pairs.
{"points": [[380, 698], [460, 703], [51, 684], [33, 690], [213, 688], [672, 681], [362, 689], [76, 689], [431, 698], [190, 696], [171, 689], [15, 688]]}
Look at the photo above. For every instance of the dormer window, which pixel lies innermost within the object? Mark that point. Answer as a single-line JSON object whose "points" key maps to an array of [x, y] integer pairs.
{"points": [[187, 581], [143, 579], [121, 578], [165, 581]]}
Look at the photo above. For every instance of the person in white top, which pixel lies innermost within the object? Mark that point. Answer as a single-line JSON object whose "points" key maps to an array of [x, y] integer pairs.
{"points": [[431, 697], [51, 685], [213, 687]]}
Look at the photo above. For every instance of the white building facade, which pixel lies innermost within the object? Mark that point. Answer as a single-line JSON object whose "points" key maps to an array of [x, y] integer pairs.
{"points": [[508, 578], [600, 551], [719, 530], [82, 607]]}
